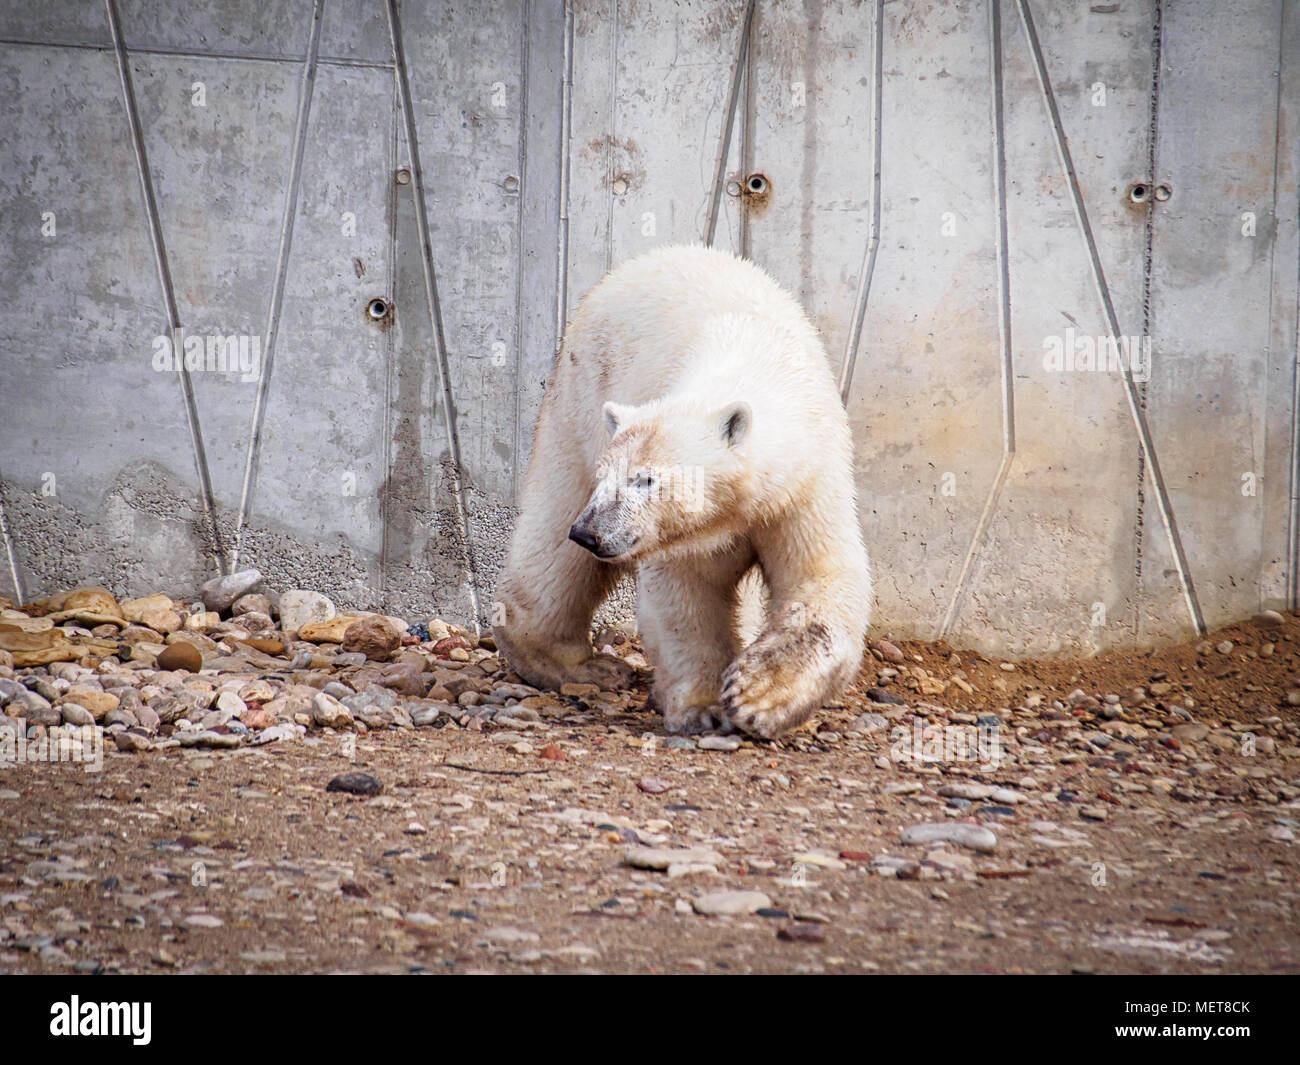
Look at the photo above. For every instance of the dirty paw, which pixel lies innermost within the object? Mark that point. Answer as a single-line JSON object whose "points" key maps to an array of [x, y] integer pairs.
{"points": [[608, 672], [755, 705], [696, 719]]}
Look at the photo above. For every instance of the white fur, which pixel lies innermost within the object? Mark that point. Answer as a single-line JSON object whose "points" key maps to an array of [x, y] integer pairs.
{"points": [[677, 347]]}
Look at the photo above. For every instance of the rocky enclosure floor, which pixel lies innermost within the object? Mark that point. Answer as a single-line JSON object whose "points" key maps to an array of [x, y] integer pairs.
{"points": [[359, 797]]}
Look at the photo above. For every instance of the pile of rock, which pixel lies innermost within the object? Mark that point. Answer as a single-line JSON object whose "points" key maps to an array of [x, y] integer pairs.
{"points": [[242, 664]]}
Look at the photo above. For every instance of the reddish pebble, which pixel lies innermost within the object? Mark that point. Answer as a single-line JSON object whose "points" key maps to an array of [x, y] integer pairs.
{"points": [[802, 933], [889, 652], [447, 644], [653, 785], [554, 753], [855, 856]]}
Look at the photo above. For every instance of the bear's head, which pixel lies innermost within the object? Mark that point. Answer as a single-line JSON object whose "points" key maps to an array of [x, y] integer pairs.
{"points": [[671, 479]]}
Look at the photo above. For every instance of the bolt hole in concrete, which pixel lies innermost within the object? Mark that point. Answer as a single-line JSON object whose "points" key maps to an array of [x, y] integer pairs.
{"points": [[403, 176], [1163, 192], [511, 184], [378, 310], [756, 184], [1139, 193]]}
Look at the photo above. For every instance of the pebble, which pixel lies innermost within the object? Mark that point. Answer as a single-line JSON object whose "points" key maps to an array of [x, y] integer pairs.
{"points": [[75, 714], [680, 743], [300, 607], [355, 784], [889, 652], [220, 593], [802, 933], [820, 859], [204, 920], [729, 903], [976, 837], [880, 695], [182, 656], [653, 785], [661, 858], [374, 637], [330, 713], [719, 743]]}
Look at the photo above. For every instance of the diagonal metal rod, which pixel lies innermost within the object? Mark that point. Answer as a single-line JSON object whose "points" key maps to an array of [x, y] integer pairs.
{"points": [[272, 330], [998, 124], [728, 123], [854, 342], [207, 502], [1103, 292], [434, 306]]}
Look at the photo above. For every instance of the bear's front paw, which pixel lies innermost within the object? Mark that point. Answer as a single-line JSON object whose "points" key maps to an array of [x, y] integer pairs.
{"points": [[696, 719], [755, 703], [607, 672]]}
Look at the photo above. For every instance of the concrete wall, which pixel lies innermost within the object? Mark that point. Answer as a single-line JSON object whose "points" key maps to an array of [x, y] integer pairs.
{"points": [[947, 186]]}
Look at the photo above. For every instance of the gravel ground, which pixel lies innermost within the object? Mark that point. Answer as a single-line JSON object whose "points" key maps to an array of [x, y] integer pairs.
{"points": [[1128, 813]]}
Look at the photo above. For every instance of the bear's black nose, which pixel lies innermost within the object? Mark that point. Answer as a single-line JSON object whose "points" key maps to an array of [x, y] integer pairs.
{"points": [[583, 538]]}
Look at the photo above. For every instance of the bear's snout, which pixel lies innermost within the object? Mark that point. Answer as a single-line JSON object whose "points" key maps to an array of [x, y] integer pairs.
{"points": [[583, 538]]}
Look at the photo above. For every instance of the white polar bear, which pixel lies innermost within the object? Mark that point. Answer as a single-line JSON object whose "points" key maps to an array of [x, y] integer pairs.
{"points": [[692, 430]]}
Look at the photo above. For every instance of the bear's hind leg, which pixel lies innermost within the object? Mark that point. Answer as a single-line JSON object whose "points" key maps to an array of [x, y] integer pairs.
{"points": [[685, 612]]}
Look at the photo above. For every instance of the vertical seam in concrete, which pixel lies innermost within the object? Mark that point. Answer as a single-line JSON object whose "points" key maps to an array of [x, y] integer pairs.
{"points": [[271, 331], [745, 116], [434, 306], [524, 73], [1148, 260], [1108, 307], [1293, 513], [207, 501], [566, 134], [1293, 510], [998, 125], [10, 555], [728, 121], [390, 348], [612, 141], [868, 269]]}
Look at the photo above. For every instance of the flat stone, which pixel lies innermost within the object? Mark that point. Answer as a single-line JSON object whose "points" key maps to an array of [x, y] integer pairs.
{"points": [[719, 743], [355, 784], [728, 903], [976, 837], [663, 857]]}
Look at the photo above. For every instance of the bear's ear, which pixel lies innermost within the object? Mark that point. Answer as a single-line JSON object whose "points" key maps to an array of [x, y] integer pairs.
{"points": [[734, 422], [616, 414]]}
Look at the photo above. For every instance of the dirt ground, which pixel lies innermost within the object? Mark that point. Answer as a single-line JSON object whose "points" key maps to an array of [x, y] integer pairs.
{"points": [[1151, 833]]}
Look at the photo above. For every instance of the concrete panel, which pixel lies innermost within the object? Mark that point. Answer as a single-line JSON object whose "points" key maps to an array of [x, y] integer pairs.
{"points": [[925, 393], [99, 479], [1211, 289], [1058, 567], [323, 454], [650, 109]]}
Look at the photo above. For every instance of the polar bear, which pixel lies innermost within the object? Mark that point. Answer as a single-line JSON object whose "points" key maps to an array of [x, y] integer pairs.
{"points": [[692, 433]]}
